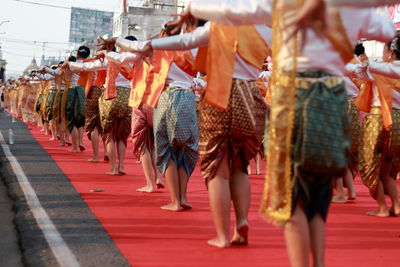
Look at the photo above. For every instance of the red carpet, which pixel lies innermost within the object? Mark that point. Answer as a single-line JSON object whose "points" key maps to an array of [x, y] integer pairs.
{"points": [[149, 236]]}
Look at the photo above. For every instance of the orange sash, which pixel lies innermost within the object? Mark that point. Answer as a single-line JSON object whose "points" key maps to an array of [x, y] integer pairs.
{"points": [[149, 83], [385, 88], [112, 73], [218, 61]]}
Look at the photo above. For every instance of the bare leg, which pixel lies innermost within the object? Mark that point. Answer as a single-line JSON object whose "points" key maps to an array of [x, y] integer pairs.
{"points": [[53, 127], [106, 158], [382, 210], [111, 153], [67, 137], [183, 182], [220, 201], [258, 163], [172, 177], [80, 136], [317, 237], [339, 197], [297, 239], [145, 159], [157, 174], [348, 178], [94, 138], [240, 193], [46, 128], [75, 140], [121, 156], [391, 189]]}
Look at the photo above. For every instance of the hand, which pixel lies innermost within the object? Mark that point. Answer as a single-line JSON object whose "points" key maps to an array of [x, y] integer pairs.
{"points": [[186, 16], [64, 66]]}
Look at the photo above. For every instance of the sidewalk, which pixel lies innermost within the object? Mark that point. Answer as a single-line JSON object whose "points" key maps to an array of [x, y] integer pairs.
{"points": [[10, 254]]}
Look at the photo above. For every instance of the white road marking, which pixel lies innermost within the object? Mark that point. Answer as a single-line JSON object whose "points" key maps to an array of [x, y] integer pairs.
{"points": [[61, 251]]}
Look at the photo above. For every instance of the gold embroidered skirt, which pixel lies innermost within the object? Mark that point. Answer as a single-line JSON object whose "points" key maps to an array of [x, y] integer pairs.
{"points": [[115, 116], [380, 150], [356, 130], [236, 132], [92, 113]]}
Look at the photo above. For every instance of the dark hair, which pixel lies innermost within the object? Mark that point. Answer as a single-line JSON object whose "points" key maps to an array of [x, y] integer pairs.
{"points": [[201, 22], [54, 67], [61, 62], [83, 52], [131, 38], [394, 45], [359, 49], [72, 58], [169, 28]]}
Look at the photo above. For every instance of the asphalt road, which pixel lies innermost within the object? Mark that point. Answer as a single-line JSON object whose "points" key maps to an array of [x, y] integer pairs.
{"points": [[79, 228]]}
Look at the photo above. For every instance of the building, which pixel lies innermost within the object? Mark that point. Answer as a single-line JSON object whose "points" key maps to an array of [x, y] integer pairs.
{"points": [[87, 24], [32, 66], [51, 60], [144, 18]]}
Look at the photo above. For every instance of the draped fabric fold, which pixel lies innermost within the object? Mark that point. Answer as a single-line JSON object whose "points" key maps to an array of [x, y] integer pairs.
{"points": [[223, 45]]}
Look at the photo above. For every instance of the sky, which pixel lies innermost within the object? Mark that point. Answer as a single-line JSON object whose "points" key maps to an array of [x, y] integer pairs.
{"points": [[29, 23]]}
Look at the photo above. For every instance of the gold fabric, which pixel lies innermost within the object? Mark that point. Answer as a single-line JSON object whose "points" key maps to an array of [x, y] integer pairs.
{"points": [[380, 149], [115, 116], [354, 114], [276, 203], [236, 131]]}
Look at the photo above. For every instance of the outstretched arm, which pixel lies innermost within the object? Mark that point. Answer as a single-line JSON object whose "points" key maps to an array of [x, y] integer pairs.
{"points": [[88, 66], [122, 58]]}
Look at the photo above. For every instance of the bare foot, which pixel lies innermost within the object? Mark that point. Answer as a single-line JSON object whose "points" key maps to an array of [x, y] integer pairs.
{"points": [[73, 150], [52, 139], [339, 200], [394, 211], [185, 205], [113, 173], [61, 144], [146, 189], [352, 196], [93, 160], [218, 243], [68, 143], [378, 213], [171, 207], [240, 237], [121, 171]]}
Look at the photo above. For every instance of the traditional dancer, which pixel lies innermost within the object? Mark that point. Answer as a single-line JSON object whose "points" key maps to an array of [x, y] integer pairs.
{"points": [[174, 119], [297, 190], [142, 130], [75, 103], [380, 150], [115, 114], [353, 87], [231, 117]]}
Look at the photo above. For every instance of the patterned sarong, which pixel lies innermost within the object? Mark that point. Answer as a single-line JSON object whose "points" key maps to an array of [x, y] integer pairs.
{"points": [[321, 135], [115, 116], [38, 103], [75, 107], [57, 106], [92, 114], [354, 114], [175, 129], [49, 105], [236, 132], [142, 130], [380, 150]]}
